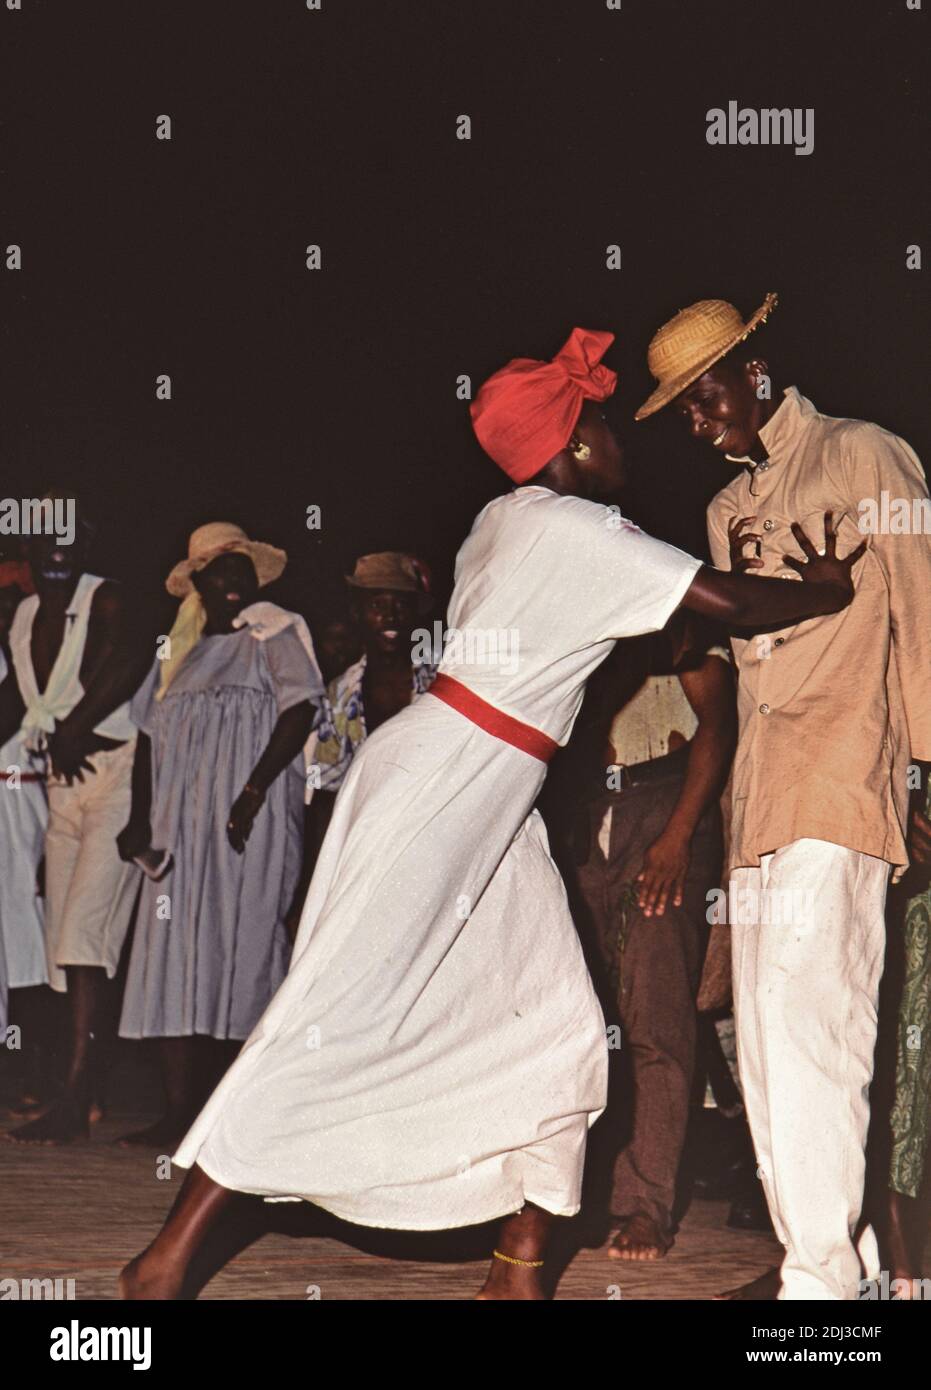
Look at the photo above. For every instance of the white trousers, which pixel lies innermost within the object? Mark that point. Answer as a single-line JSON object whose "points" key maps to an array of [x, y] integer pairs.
{"points": [[806, 987], [89, 892]]}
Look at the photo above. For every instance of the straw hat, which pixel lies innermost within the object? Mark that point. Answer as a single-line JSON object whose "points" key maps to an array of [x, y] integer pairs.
{"points": [[693, 341], [217, 538], [392, 570]]}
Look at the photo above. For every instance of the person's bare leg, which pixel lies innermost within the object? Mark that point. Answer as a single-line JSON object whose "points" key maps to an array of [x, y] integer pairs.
{"points": [[182, 1101], [898, 1255], [69, 1116], [159, 1271], [522, 1237], [216, 1056], [39, 1013]]}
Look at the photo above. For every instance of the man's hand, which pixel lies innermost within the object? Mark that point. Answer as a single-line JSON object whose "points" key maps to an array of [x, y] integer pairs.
{"points": [[68, 756], [245, 809], [662, 877], [737, 538]]}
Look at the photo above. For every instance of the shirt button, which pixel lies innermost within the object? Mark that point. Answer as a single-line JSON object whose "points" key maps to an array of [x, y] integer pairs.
{"points": [[764, 709], [768, 524], [779, 641]]}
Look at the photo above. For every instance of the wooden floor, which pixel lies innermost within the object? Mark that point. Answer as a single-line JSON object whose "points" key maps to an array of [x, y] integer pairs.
{"points": [[79, 1212]]}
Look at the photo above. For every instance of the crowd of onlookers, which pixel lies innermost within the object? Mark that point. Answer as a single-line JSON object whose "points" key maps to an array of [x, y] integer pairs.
{"points": [[160, 817]]}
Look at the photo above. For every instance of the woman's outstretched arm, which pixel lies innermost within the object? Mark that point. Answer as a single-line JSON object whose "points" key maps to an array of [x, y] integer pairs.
{"points": [[746, 601]]}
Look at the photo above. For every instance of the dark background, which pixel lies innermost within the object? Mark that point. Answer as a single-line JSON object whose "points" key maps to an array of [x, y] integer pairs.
{"points": [[440, 256]]}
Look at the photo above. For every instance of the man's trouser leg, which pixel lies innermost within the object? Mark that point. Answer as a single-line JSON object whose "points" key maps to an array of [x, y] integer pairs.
{"points": [[62, 851], [806, 985], [91, 891], [655, 971]]}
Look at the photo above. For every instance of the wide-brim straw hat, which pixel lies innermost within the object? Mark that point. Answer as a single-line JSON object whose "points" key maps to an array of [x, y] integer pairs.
{"points": [[693, 341], [219, 538], [393, 571]]}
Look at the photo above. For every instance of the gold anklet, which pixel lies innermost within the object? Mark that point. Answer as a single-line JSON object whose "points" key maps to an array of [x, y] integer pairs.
{"points": [[524, 1264]]}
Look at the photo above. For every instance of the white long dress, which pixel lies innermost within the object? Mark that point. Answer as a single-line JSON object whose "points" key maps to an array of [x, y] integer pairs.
{"points": [[436, 1054], [23, 820], [214, 968]]}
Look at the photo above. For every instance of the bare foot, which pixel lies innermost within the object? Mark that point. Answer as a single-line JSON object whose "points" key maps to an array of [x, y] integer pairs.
{"points": [[896, 1245], [27, 1108], [165, 1135], [908, 1289], [639, 1237], [146, 1277], [512, 1282], [62, 1124], [32, 1102], [762, 1290]]}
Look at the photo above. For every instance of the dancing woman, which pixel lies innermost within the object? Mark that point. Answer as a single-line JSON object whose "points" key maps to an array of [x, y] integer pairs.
{"points": [[436, 1054]]}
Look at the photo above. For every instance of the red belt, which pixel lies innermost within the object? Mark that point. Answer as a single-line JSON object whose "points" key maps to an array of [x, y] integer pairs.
{"points": [[493, 721], [23, 776]]}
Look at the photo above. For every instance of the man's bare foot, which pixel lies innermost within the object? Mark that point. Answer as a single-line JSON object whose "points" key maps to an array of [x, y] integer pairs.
{"points": [[895, 1244], [33, 1101], [147, 1277], [908, 1289], [65, 1122], [765, 1289], [512, 1282], [27, 1108], [639, 1237], [165, 1135]]}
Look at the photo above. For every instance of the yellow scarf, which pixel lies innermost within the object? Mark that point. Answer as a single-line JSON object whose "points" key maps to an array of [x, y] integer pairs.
{"points": [[189, 624]]}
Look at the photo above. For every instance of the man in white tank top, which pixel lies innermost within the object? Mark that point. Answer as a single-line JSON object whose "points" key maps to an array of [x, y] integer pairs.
{"points": [[78, 655]]}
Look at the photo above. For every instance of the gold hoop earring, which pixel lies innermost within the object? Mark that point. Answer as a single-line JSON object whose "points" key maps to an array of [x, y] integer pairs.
{"points": [[581, 452]]}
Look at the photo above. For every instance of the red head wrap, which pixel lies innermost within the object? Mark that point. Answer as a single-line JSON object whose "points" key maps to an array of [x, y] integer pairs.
{"points": [[16, 572], [524, 414]]}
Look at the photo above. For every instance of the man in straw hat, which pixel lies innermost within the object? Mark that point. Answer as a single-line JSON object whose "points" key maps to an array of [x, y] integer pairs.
{"points": [[79, 651], [436, 1054], [832, 715], [387, 592]]}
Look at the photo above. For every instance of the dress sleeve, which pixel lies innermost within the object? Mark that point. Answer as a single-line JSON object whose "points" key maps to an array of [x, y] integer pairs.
{"points": [[294, 672], [632, 582]]}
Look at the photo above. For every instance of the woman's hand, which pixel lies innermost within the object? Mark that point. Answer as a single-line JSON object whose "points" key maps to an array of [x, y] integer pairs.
{"points": [[243, 813], [737, 538], [662, 877], [133, 839], [825, 569]]}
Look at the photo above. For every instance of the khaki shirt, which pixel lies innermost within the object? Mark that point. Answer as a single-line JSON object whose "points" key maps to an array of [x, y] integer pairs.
{"points": [[833, 709]]}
